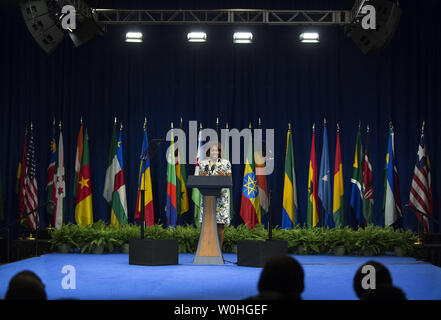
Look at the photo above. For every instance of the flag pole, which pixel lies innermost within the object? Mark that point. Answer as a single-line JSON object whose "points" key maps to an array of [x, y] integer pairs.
{"points": [[142, 191], [323, 209]]}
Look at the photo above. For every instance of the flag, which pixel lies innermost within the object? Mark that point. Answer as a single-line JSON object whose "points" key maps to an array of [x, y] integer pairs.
{"points": [[50, 187], [290, 204], [83, 203], [261, 180], [30, 187], [196, 194], [324, 183], [368, 188], [145, 185], [21, 173], [357, 181], [78, 157], [420, 198], [59, 184], [250, 204], [170, 207], [312, 214], [181, 183], [114, 185], [337, 211], [392, 202]]}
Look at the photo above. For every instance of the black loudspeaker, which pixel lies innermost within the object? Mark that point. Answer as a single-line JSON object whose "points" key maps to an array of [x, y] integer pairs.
{"points": [[373, 41], [149, 252], [256, 253], [42, 24]]}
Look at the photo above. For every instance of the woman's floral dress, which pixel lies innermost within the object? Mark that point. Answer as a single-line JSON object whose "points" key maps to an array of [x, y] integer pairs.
{"points": [[221, 167]]}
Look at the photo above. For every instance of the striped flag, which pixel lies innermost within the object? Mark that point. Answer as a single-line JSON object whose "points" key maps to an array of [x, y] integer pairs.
{"points": [[181, 179], [59, 184], [290, 204], [324, 183], [83, 203], [250, 204], [357, 181], [30, 188], [78, 157], [312, 213], [196, 194], [368, 188], [145, 183], [21, 173], [420, 198], [115, 186], [170, 207], [338, 208], [50, 187], [392, 203]]}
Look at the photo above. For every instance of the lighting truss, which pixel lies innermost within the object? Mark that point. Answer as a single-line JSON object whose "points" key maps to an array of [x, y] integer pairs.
{"points": [[226, 16]]}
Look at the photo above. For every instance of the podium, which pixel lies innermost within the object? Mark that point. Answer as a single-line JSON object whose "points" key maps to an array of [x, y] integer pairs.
{"points": [[209, 251]]}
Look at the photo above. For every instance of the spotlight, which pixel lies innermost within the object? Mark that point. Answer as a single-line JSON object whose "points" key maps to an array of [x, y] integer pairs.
{"points": [[309, 37], [134, 37], [197, 37], [243, 37]]}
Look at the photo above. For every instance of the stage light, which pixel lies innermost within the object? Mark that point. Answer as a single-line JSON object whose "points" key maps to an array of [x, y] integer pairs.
{"points": [[134, 37], [197, 37], [309, 37], [242, 37]]}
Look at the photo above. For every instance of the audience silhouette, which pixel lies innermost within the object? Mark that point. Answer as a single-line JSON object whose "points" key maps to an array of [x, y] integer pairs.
{"points": [[282, 278], [26, 285]]}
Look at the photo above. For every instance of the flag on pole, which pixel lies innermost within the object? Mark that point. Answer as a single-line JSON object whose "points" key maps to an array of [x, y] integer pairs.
{"points": [[420, 198], [338, 212], [312, 213], [357, 181], [368, 188], [145, 183], [30, 188], [181, 182], [261, 179], [290, 204], [250, 204], [59, 184], [21, 173], [392, 202], [50, 187], [114, 185], [78, 157], [196, 194], [324, 183], [170, 208], [83, 203]]}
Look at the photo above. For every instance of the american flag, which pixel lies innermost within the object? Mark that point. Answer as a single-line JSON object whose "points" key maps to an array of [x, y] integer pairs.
{"points": [[30, 190], [421, 189]]}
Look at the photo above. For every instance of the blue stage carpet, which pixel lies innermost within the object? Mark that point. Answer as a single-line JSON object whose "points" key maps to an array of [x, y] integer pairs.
{"points": [[109, 276]]}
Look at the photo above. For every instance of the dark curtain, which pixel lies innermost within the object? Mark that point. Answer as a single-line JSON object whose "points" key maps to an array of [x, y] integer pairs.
{"points": [[277, 79]]}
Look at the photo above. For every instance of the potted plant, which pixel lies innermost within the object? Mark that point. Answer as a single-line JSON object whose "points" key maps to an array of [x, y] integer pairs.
{"points": [[367, 241], [64, 238]]}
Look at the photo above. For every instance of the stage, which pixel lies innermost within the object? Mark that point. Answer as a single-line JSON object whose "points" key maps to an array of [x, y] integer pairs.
{"points": [[109, 276]]}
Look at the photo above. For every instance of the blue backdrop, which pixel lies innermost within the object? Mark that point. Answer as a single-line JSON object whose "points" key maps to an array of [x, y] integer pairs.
{"points": [[276, 78]]}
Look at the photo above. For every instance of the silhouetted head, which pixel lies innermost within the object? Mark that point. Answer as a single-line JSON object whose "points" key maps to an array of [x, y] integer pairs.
{"points": [[382, 277], [284, 275], [26, 285], [385, 292]]}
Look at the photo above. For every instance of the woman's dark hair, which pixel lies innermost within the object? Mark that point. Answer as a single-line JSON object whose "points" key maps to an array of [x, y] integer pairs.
{"points": [[26, 285], [219, 148]]}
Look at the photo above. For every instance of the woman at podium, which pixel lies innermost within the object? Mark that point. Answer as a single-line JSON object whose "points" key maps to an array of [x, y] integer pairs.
{"points": [[215, 165]]}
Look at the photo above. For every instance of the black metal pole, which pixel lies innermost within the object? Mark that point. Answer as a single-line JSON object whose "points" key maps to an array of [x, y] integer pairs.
{"points": [[270, 221], [142, 213]]}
